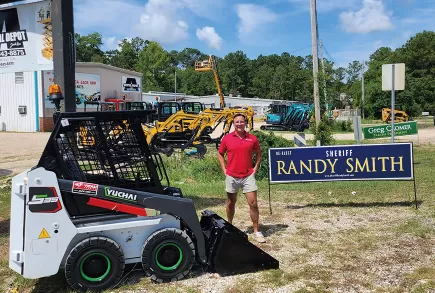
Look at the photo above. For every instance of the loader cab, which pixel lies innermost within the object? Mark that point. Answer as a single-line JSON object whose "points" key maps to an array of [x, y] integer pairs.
{"points": [[192, 107], [119, 103], [131, 106], [100, 106], [166, 110]]}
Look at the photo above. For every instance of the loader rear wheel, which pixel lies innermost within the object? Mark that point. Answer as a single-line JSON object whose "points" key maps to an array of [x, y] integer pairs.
{"points": [[168, 255], [96, 263]]}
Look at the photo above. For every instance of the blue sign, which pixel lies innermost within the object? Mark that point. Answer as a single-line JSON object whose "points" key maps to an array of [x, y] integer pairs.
{"points": [[340, 163]]}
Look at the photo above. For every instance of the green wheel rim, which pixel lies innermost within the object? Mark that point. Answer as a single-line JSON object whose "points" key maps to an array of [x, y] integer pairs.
{"points": [[180, 258], [95, 279]]}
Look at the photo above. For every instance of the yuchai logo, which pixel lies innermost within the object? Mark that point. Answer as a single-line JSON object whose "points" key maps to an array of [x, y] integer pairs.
{"points": [[120, 194], [84, 187]]}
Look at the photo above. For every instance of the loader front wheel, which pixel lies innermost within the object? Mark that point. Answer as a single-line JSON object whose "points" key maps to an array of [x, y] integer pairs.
{"points": [[96, 263], [168, 255]]}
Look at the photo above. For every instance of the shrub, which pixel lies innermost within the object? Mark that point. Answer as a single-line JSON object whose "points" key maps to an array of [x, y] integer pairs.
{"points": [[267, 141], [323, 133]]}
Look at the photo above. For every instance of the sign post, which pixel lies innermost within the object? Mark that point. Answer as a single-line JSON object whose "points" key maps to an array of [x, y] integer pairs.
{"points": [[393, 78], [357, 129]]}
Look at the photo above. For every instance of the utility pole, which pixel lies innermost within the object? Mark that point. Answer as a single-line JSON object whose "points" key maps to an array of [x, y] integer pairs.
{"points": [[64, 61], [323, 72], [362, 89], [313, 13]]}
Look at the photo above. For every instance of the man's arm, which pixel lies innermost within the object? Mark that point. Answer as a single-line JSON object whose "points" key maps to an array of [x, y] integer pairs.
{"points": [[222, 162], [257, 151], [257, 160]]}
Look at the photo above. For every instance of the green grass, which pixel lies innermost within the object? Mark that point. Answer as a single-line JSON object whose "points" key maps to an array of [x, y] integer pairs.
{"points": [[383, 222]]}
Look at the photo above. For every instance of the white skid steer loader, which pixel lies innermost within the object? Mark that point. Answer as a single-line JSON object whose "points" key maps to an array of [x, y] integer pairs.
{"points": [[84, 207]]}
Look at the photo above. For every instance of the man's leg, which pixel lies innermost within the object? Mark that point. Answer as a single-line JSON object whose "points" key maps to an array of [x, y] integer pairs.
{"points": [[231, 206], [251, 197]]}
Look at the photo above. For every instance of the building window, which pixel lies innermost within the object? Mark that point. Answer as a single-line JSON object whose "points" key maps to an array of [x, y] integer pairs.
{"points": [[19, 77]]}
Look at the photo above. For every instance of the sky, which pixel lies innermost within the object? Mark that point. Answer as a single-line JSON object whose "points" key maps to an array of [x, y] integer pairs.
{"points": [[349, 29]]}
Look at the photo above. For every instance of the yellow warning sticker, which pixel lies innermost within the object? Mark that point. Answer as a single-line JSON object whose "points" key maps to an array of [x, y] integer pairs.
{"points": [[44, 234]]}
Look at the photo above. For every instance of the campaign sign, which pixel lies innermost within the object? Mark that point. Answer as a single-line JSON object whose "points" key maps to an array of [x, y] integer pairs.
{"points": [[339, 163]]}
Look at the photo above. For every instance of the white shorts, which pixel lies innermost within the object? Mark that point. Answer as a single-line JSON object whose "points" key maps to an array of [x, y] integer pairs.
{"points": [[247, 184]]}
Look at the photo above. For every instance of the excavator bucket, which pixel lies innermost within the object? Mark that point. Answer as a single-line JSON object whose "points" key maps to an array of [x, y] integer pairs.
{"points": [[229, 250]]}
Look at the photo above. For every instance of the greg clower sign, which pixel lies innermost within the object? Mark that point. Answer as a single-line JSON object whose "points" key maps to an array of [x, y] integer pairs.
{"points": [[400, 129], [340, 163]]}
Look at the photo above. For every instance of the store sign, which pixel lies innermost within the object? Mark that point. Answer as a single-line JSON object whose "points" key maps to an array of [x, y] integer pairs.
{"points": [[339, 163], [26, 37], [130, 84], [87, 88], [400, 129]]}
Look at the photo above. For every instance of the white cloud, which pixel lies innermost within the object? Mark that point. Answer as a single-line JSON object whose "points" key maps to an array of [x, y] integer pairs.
{"points": [[325, 5], [161, 22], [370, 18], [252, 17], [165, 21], [111, 43], [209, 35]]}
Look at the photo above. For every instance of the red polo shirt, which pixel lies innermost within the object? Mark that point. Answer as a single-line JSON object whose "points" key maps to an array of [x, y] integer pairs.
{"points": [[239, 152]]}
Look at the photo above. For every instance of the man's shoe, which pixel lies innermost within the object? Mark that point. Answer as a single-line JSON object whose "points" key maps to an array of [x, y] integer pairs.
{"points": [[259, 237]]}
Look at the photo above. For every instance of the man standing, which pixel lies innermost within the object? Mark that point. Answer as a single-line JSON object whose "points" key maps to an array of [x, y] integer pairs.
{"points": [[239, 147]]}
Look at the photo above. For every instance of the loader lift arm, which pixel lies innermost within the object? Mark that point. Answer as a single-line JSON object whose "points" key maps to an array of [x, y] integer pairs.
{"points": [[210, 65]]}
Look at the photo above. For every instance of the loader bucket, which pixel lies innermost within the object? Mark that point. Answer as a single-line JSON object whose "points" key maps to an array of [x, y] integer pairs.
{"points": [[229, 250]]}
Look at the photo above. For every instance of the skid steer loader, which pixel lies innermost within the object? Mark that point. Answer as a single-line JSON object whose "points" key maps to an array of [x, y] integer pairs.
{"points": [[93, 208]]}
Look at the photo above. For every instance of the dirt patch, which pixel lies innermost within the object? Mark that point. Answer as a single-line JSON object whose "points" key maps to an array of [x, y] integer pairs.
{"points": [[20, 151]]}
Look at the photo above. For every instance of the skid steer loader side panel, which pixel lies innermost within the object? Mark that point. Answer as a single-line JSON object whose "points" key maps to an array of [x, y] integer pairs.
{"points": [[47, 226], [16, 237], [229, 250]]}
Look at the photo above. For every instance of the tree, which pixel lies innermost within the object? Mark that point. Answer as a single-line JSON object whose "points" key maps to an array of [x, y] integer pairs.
{"points": [[154, 63], [188, 56], [88, 48], [234, 71]]}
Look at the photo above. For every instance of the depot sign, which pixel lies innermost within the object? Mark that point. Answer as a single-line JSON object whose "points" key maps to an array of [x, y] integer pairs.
{"points": [[400, 129]]}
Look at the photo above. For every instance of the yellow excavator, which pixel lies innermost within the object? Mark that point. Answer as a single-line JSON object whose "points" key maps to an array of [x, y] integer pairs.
{"points": [[399, 116], [183, 130]]}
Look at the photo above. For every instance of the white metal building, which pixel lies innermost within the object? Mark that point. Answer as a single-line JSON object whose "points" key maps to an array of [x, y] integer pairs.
{"points": [[259, 105], [24, 105]]}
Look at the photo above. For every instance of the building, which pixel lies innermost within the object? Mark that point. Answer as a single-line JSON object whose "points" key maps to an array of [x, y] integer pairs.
{"points": [[24, 104], [258, 105]]}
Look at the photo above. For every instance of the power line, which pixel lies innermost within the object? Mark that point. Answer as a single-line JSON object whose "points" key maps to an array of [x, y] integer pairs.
{"points": [[301, 49]]}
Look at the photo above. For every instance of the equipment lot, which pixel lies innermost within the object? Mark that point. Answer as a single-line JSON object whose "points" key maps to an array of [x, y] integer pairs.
{"points": [[20, 151], [327, 240]]}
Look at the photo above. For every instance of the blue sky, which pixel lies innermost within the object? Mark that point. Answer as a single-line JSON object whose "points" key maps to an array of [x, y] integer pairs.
{"points": [[350, 29]]}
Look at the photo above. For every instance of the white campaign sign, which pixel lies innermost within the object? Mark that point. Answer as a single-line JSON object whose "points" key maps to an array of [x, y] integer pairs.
{"points": [[25, 37]]}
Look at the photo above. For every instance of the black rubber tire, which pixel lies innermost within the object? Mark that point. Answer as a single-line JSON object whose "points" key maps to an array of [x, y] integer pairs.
{"points": [[100, 246], [171, 237]]}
